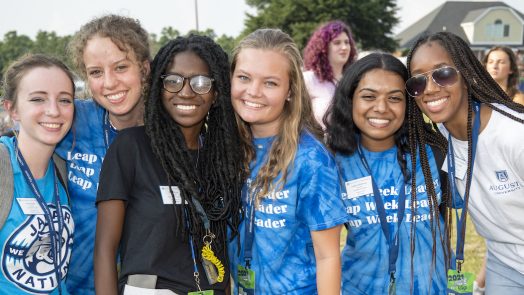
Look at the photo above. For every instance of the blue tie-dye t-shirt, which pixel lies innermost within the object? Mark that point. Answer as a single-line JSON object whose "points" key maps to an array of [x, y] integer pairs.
{"points": [[283, 257], [84, 148], [365, 256]]}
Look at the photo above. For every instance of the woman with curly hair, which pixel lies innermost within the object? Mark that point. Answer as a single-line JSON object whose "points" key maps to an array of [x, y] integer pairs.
{"points": [[169, 189], [329, 51], [112, 54]]}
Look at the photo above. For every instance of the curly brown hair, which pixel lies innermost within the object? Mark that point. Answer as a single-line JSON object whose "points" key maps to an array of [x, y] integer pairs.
{"points": [[127, 34]]}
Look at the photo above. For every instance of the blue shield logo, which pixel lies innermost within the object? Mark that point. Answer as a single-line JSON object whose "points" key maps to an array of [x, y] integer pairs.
{"points": [[502, 175]]}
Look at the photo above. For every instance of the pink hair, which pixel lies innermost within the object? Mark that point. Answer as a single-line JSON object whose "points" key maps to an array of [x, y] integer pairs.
{"points": [[316, 51]]}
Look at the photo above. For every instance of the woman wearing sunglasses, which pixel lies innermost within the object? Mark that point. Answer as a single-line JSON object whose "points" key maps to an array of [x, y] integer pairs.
{"points": [[482, 131], [368, 130], [168, 189]]}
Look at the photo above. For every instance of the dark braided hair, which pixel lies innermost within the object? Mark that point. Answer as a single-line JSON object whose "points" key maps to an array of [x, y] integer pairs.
{"points": [[480, 86], [216, 180]]}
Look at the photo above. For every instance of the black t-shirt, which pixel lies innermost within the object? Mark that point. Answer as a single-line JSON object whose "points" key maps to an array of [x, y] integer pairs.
{"points": [[149, 243]]}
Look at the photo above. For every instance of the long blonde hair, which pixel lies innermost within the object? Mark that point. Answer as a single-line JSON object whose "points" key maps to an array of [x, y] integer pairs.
{"points": [[297, 115]]}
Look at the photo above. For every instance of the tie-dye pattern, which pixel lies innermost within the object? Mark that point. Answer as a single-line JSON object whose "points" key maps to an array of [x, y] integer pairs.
{"points": [[365, 256], [283, 256]]}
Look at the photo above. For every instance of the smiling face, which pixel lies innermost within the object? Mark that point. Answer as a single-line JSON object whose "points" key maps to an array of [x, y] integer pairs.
{"points": [[448, 105], [259, 88], [44, 106], [498, 66], [114, 77], [187, 108], [339, 50], [379, 108]]}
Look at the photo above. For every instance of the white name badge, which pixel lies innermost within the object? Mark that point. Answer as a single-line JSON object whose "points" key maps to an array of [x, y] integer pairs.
{"points": [[359, 187], [461, 167], [168, 197], [30, 206]]}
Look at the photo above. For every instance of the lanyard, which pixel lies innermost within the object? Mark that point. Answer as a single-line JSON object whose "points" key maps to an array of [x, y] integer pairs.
{"points": [[461, 222], [56, 237], [393, 246], [107, 130], [249, 236]]}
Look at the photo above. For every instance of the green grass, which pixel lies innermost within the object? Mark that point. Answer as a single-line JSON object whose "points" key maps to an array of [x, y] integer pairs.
{"points": [[474, 249]]}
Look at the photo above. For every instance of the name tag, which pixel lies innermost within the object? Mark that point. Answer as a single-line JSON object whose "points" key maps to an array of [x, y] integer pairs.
{"points": [[359, 187], [461, 167], [169, 195], [30, 206]]}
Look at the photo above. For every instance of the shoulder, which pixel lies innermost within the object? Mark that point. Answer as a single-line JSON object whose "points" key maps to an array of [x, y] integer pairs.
{"points": [[132, 135], [311, 149], [519, 98]]}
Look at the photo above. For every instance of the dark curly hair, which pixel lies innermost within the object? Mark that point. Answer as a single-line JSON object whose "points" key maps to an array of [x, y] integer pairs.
{"points": [[317, 48], [216, 181]]}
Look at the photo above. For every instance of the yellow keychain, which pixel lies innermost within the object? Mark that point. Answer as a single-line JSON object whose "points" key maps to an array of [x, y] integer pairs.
{"points": [[211, 263]]}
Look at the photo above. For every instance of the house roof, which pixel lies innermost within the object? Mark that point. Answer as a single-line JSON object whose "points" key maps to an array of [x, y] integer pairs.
{"points": [[447, 17]]}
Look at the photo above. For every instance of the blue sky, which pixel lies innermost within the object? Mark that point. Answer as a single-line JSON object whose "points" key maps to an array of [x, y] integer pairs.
{"points": [[224, 16]]}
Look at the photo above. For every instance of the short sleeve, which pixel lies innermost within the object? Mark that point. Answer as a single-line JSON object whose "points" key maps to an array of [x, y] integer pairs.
{"points": [[320, 203], [118, 169]]}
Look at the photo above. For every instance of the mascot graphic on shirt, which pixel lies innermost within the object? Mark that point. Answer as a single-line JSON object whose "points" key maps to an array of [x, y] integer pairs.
{"points": [[27, 256]]}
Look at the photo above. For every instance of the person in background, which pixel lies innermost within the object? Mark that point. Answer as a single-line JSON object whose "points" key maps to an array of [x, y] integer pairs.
{"points": [[501, 64], [169, 189], [112, 54], [328, 52], [37, 234], [483, 130], [368, 130], [290, 237]]}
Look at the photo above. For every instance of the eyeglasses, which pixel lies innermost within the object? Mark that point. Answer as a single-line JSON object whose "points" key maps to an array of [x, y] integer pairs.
{"points": [[200, 84], [443, 77]]}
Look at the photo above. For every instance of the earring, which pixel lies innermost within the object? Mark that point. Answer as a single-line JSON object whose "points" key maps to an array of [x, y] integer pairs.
{"points": [[288, 98]]}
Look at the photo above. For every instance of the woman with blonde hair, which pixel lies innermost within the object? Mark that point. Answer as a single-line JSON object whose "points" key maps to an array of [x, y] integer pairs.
{"points": [[290, 237]]}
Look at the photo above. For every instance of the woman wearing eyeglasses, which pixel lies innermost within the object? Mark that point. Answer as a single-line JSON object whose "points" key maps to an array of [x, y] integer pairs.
{"points": [[168, 189], [483, 131]]}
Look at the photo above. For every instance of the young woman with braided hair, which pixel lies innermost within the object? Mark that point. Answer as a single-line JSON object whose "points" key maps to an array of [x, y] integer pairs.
{"points": [[169, 189], [389, 194], [482, 131], [290, 237]]}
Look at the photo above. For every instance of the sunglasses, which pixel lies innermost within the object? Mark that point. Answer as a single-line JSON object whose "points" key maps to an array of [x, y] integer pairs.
{"points": [[443, 77], [200, 84]]}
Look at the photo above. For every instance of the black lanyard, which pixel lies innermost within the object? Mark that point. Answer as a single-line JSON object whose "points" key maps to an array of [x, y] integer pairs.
{"points": [[56, 237], [461, 222], [107, 130], [393, 244], [249, 236]]}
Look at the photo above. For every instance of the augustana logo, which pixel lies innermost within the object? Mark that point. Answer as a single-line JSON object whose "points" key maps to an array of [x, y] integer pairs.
{"points": [[27, 259], [504, 186]]}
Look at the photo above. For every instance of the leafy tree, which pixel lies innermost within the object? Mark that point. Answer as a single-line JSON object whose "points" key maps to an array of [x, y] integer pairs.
{"points": [[371, 21], [12, 47]]}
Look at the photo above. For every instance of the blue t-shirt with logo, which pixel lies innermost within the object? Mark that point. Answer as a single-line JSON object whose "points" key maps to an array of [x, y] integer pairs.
{"points": [[365, 256], [27, 260], [283, 257], [84, 148]]}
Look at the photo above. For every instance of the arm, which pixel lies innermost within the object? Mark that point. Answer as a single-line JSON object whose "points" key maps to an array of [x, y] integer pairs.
{"points": [[109, 224], [327, 255]]}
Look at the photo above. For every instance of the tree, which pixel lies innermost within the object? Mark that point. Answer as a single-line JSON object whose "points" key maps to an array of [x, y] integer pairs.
{"points": [[371, 21], [12, 47]]}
